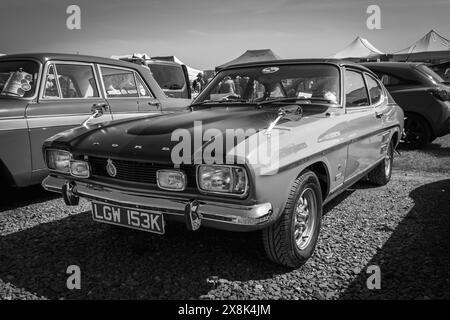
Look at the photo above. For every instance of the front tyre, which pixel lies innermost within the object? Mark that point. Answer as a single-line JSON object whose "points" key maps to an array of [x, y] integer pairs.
{"points": [[291, 240], [381, 174]]}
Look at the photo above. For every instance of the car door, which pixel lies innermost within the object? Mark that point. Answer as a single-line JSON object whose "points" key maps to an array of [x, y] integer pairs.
{"points": [[69, 91], [363, 122], [147, 102], [124, 91]]}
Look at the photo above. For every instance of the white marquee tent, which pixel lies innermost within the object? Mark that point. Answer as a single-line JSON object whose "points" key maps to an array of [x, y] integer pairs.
{"points": [[432, 41], [251, 56], [358, 48]]}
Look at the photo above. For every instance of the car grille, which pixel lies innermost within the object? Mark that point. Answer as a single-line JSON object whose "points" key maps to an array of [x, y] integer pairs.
{"points": [[137, 171]]}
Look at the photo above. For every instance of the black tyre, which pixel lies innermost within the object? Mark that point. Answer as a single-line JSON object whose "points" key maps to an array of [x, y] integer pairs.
{"points": [[381, 174], [417, 132], [291, 240]]}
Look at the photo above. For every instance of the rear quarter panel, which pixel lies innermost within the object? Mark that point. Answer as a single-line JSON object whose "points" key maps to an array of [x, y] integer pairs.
{"points": [[418, 100]]}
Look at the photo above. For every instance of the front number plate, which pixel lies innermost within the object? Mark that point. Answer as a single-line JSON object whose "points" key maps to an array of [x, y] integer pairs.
{"points": [[128, 217]]}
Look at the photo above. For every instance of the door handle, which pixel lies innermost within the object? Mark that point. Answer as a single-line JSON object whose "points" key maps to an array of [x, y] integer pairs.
{"points": [[97, 111], [379, 115], [154, 103], [102, 105]]}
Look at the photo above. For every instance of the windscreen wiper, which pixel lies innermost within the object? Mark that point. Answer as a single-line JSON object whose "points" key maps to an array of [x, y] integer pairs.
{"points": [[293, 99], [206, 102]]}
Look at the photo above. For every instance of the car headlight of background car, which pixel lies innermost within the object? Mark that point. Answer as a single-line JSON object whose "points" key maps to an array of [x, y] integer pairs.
{"points": [[58, 160], [222, 179]]}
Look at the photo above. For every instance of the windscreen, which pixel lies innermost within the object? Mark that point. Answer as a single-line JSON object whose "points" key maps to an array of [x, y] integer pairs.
{"points": [[256, 84]]}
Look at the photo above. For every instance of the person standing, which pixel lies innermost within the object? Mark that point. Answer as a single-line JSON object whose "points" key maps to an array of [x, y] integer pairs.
{"points": [[199, 83]]}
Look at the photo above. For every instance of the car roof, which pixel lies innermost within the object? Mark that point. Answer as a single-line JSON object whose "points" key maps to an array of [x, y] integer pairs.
{"points": [[391, 64], [337, 62], [156, 61], [44, 57]]}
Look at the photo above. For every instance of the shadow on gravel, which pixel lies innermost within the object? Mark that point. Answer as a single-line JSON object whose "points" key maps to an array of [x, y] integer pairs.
{"points": [[117, 263], [434, 149], [12, 198], [120, 264], [415, 260]]}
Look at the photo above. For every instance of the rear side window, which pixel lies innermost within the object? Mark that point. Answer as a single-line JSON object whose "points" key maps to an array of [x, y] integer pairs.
{"points": [[18, 78], [76, 81], [355, 89], [119, 83], [168, 77], [375, 90]]}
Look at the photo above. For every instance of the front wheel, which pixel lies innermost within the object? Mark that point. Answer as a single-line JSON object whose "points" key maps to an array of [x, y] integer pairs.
{"points": [[291, 240]]}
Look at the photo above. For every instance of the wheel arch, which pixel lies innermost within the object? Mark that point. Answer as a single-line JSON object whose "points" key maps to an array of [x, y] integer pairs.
{"points": [[427, 121], [321, 170]]}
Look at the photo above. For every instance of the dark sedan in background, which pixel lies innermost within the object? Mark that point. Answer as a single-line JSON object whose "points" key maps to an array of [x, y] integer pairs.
{"points": [[423, 96]]}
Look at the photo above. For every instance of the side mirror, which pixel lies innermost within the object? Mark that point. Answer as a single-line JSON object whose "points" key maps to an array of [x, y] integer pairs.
{"points": [[186, 79]]}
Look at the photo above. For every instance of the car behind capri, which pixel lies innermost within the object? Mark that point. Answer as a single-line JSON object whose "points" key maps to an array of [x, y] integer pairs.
{"points": [[42, 94], [264, 147], [422, 94]]}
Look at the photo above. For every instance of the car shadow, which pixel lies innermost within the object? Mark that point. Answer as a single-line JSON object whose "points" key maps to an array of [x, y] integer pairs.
{"points": [[414, 262], [118, 263], [12, 198], [434, 149]]}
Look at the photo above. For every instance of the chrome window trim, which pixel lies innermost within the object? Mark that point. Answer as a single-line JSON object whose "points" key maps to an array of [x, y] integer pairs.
{"points": [[54, 62]]}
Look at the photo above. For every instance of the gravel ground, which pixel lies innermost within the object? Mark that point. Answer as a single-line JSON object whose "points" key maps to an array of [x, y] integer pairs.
{"points": [[404, 228]]}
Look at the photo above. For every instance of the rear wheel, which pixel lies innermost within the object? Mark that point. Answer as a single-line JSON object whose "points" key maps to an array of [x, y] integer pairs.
{"points": [[381, 174], [291, 240], [417, 132]]}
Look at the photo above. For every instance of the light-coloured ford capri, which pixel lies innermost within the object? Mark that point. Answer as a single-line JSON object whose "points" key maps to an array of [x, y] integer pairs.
{"points": [[264, 147]]}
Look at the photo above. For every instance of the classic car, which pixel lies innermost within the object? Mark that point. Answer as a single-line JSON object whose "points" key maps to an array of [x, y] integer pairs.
{"points": [[423, 96], [43, 94], [263, 147]]}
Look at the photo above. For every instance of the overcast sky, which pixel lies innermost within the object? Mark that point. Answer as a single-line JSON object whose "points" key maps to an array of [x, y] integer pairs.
{"points": [[206, 33]]}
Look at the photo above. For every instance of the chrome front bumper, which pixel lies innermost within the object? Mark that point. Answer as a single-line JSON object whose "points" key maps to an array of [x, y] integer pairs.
{"points": [[212, 214]]}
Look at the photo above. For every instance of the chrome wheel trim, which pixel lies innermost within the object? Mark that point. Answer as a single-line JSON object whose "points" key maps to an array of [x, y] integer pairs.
{"points": [[305, 213]]}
